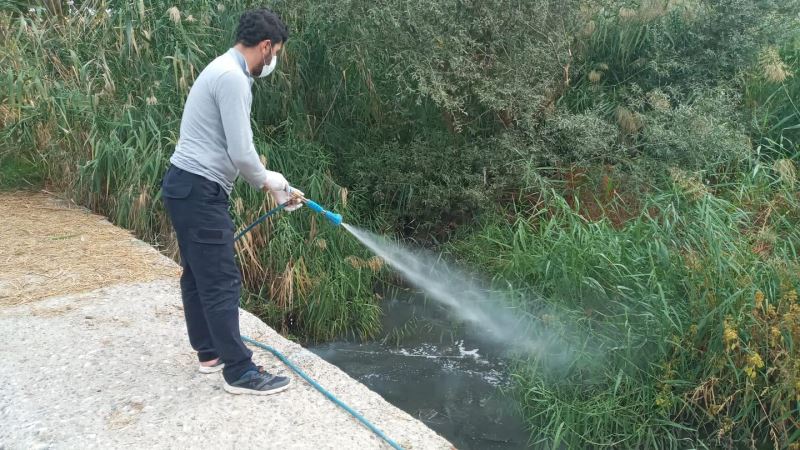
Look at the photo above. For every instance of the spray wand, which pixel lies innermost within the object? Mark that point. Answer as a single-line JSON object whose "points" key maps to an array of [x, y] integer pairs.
{"points": [[335, 219]]}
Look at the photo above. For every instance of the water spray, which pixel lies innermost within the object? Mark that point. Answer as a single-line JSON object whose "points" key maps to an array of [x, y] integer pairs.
{"points": [[468, 298], [459, 291]]}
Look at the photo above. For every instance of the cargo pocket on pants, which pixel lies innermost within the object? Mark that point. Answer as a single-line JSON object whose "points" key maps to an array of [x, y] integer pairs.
{"points": [[213, 236], [215, 247]]}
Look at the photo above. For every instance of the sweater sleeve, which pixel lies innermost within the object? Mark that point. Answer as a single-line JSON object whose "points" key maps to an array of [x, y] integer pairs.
{"points": [[234, 98]]}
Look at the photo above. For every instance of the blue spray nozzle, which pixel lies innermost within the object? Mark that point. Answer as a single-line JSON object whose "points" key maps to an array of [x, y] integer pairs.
{"points": [[334, 218], [315, 206]]}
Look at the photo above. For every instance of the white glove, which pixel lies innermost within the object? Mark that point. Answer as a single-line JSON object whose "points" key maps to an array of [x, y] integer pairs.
{"points": [[280, 189], [284, 196], [275, 182]]}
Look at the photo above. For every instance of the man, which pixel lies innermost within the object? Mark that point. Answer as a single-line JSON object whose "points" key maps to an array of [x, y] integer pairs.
{"points": [[215, 146]]}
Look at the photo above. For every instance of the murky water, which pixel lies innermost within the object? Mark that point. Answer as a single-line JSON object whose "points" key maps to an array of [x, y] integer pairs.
{"points": [[447, 375]]}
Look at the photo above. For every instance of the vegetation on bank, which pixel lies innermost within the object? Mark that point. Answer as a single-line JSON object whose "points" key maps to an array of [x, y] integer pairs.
{"points": [[630, 163]]}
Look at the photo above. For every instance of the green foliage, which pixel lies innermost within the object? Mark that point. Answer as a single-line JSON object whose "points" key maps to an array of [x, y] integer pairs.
{"points": [[584, 137], [438, 182], [771, 91], [74, 108], [474, 58], [700, 134], [679, 44], [429, 85], [675, 349], [18, 173]]}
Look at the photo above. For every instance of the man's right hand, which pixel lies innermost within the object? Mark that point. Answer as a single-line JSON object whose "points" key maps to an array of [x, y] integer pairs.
{"points": [[275, 182], [277, 185]]}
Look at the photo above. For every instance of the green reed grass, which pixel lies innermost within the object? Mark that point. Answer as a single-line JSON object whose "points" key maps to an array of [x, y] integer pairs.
{"points": [[94, 103], [666, 309]]}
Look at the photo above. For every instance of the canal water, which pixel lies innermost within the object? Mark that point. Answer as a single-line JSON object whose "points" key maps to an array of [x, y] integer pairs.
{"points": [[445, 374]]}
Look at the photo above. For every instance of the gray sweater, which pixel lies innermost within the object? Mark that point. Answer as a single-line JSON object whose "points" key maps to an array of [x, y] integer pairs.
{"points": [[216, 141]]}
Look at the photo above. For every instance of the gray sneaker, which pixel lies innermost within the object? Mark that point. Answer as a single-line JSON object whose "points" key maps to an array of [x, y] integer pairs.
{"points": [[258, 382]]}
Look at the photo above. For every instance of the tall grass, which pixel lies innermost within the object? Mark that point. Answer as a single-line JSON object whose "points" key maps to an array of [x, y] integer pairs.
{"points": [[771, 91], [678, 276], [93, 101], [687, 311]]}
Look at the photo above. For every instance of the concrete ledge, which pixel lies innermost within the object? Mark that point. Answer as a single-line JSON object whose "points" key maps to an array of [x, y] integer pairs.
{"points": [[110, 366], [113, 368]]}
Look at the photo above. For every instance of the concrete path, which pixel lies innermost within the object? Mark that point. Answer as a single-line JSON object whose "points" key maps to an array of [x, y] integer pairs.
{"points": [[112, 368]]}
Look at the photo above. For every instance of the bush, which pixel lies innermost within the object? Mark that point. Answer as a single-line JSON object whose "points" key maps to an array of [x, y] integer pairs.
{"points": [[424, 182], [702, 134], [580, 138]]}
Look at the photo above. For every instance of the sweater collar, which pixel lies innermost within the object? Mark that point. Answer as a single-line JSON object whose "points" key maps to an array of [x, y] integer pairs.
{"points": [[242, 62]]}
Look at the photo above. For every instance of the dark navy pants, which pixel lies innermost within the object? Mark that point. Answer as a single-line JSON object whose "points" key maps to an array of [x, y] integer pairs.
{"points": [[211, 282]]}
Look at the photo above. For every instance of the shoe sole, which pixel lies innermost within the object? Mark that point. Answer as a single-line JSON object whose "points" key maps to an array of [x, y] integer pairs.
{"points": [[211, 369], [237, 390]]}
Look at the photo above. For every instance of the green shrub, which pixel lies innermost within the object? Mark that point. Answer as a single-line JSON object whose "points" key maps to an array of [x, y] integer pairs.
{"points": [[702, 134], [580, 138]]}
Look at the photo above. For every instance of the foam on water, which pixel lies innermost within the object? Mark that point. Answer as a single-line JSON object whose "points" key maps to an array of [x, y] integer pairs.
{"points": [[464, 352]]}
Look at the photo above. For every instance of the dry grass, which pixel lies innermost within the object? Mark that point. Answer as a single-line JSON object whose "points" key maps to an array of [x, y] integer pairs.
{"points": [[124, 415], [50, 248], [375, 264]]}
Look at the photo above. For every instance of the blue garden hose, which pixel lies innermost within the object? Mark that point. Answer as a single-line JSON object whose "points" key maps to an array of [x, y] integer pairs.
{"points": [[259, 220], [336, 219], [325, 392]]}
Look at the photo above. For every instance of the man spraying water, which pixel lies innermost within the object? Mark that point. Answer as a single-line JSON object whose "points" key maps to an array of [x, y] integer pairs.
{"points": [[215, 146]]}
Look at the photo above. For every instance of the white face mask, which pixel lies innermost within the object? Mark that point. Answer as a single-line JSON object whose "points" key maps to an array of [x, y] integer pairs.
{"points": [[267, 69]]}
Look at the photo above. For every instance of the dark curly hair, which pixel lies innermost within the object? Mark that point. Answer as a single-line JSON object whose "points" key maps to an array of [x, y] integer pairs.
{"points": [[258, 25]]}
